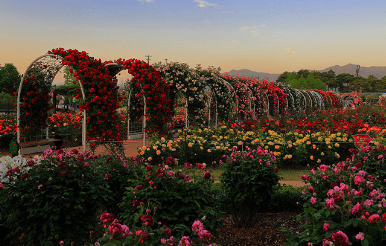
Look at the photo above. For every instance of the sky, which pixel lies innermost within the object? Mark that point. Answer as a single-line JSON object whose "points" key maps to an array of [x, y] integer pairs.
{"points": [[264, 36]]}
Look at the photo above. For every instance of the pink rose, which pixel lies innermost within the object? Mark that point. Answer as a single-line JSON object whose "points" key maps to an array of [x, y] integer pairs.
{"points": [[325, 226], [313, 200], [340, 238], [330, 203], [360, 236]]}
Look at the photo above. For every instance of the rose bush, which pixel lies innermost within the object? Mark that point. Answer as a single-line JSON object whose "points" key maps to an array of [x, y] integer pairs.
{"points": [[345, 203], [248, 180], [56, 198], [179, 196]]}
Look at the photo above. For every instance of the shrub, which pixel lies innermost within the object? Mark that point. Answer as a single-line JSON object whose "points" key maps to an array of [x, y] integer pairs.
{"points": [[179, 199], [286, 198], [118, 174], [248, 179], [57, 199], [344, 205]]}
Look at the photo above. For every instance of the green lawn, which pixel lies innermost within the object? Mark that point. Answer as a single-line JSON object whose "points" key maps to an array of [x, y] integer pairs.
{"points": [[285, 174]]}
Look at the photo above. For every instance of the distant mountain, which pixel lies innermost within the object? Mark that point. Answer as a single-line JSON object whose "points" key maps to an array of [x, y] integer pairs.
{"points": [[253, 74], [376, 71]]}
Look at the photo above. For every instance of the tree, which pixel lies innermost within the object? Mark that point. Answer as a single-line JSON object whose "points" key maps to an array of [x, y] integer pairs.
{"points": [[69, 79], [304, 73], [282, 77], [305, 83], [9, 78]]}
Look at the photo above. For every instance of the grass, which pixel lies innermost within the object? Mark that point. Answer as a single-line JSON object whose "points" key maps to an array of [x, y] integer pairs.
{"points": [[292, 174], [286, 175]]}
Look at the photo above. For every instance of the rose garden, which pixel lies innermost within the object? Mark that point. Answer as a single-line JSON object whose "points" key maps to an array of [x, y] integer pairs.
{"points": [[215, 148]]}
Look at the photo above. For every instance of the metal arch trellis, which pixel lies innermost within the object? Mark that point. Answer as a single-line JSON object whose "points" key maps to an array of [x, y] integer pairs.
{"points": [[49, 65], [231, 89], [304, 99], [118, 69], [317, 99]]}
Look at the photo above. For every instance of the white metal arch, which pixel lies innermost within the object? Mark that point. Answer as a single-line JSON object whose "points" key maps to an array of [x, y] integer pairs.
{"points": [[51, 65]]}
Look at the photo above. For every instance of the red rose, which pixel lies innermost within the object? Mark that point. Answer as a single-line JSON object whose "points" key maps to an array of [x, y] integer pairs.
{"points": [[24, 176], [147, 219], [107, 217]]}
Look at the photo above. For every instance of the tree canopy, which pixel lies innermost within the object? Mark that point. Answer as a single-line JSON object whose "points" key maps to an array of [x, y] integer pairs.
{"points": [[9, 78], [301, 82]]}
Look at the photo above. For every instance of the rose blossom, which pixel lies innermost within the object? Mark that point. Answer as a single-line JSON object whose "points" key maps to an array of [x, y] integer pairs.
{"points": [[357, 209], [206, 175], [340, 238], [325, 226], [330, 203], [360, 236], [313, 200], [107, 217], [374, 218], [141, 236]]}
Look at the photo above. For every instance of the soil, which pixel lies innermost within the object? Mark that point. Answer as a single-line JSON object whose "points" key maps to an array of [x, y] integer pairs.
{"points": [[265, 232]]}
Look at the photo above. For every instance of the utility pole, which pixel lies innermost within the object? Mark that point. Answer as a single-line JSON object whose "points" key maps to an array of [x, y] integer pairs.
{"points": [[148, 59], [357, 72]]}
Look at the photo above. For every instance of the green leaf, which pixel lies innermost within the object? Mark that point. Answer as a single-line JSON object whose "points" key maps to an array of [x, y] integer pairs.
{"points": [[365, 242]]}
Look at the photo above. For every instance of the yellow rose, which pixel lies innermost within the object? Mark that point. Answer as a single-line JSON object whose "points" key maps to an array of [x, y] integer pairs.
{"points": [[158, 152]]}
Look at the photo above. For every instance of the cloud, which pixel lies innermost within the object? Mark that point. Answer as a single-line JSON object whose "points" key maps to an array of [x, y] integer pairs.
{"points": [[203, 4], [250, 29], [290, 51], [148, 1]]}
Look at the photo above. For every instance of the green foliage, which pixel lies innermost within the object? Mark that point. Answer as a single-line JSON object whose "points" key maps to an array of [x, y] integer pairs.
{"points": [[69, 79], [249, 179], [118, 174], [305, 83], [179, 199], [56, 199], [69, 90], [9, 78], [5, 140], [286, 198], [7, 98]]}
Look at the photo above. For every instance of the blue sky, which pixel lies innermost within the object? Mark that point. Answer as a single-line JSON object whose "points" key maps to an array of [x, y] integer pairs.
{"points": [[264, 36]]}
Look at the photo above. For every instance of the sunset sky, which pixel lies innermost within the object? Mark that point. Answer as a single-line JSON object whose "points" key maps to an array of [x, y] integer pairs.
{"points": [[263, 36]]}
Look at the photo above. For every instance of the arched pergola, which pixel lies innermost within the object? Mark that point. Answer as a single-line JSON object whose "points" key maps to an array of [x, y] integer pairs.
{"points": [[46, 67]]}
